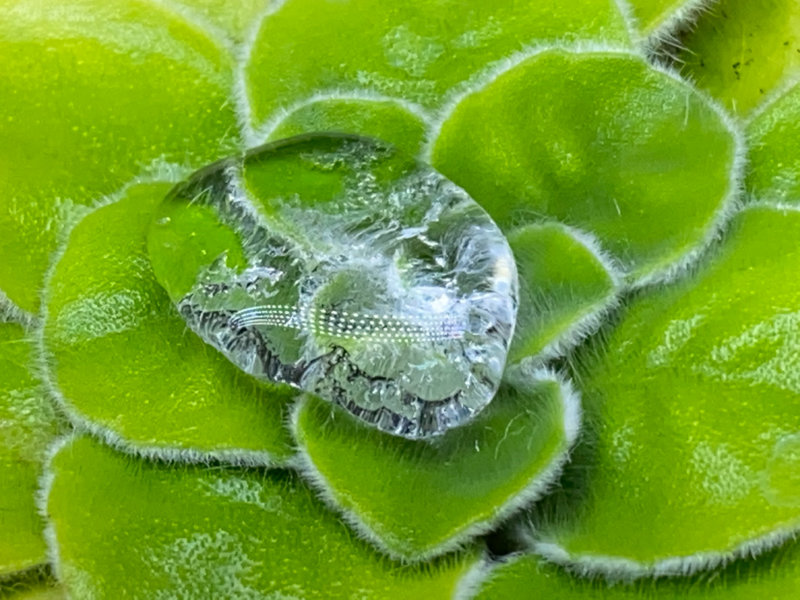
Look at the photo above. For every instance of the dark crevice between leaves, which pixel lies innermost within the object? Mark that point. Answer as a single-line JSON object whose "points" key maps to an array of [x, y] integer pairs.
{"points": [[27, 580]]}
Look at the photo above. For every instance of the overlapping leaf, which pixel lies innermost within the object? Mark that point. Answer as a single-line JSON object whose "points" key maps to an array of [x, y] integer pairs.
{"points": [[566, 284], [747, 54], [233, 18], [123, 362], [28, 424], [649, 168], [415, 500], [399, 123], [742, 51], [774, 136], [659, 18], [192, 532], [95, 93], [774, 576], [415, 51], [693, 455]]}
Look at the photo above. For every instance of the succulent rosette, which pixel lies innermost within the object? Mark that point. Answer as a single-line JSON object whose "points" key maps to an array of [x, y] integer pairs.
{"points": [[641, 161]]}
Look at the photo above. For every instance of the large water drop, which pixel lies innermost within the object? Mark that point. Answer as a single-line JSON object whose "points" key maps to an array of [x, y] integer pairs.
{"points": [[337, 265]]}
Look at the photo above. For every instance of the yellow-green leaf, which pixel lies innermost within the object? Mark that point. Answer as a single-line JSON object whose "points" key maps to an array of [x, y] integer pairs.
{"points": [[693, 453], [94, 93], [126, 367], [123, 525]]}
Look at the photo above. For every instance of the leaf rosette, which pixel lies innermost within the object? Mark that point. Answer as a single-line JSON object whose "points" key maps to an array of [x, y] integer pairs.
{"points": [[646, 427]]}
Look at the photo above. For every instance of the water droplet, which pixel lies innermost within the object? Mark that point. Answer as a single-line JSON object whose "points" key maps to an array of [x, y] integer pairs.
{"points": [[367, 278]]}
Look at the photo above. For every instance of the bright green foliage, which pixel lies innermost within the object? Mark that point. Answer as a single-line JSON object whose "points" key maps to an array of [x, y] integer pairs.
{"points": [[414, 499], [657, 16], [418, 51], [694, 415], [647, 169], [122, 359], [742, 50], [548, 114], [183, 240], [28, 424], [234, 18], [564, 285], [192, 532], [774, 576], [292, 169], [774, 136], [385, 119], [94, 93], [42, 592]]}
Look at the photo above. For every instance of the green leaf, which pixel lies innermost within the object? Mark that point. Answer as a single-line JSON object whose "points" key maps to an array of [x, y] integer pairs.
{"points": [[193, 532], [28, 424], [774, 137], [742, 50], [661, 17], [232, 18], [399, 123], [417, 51], [186, 239], [600, 141], [774, 576], [41, 592], [126, 367], [418, 499], [95, 93], [694, 453], [566, 284]]}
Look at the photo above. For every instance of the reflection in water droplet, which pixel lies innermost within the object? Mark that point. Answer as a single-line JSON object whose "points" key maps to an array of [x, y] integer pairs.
{"points": [[370, 280], [782, 481]]}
